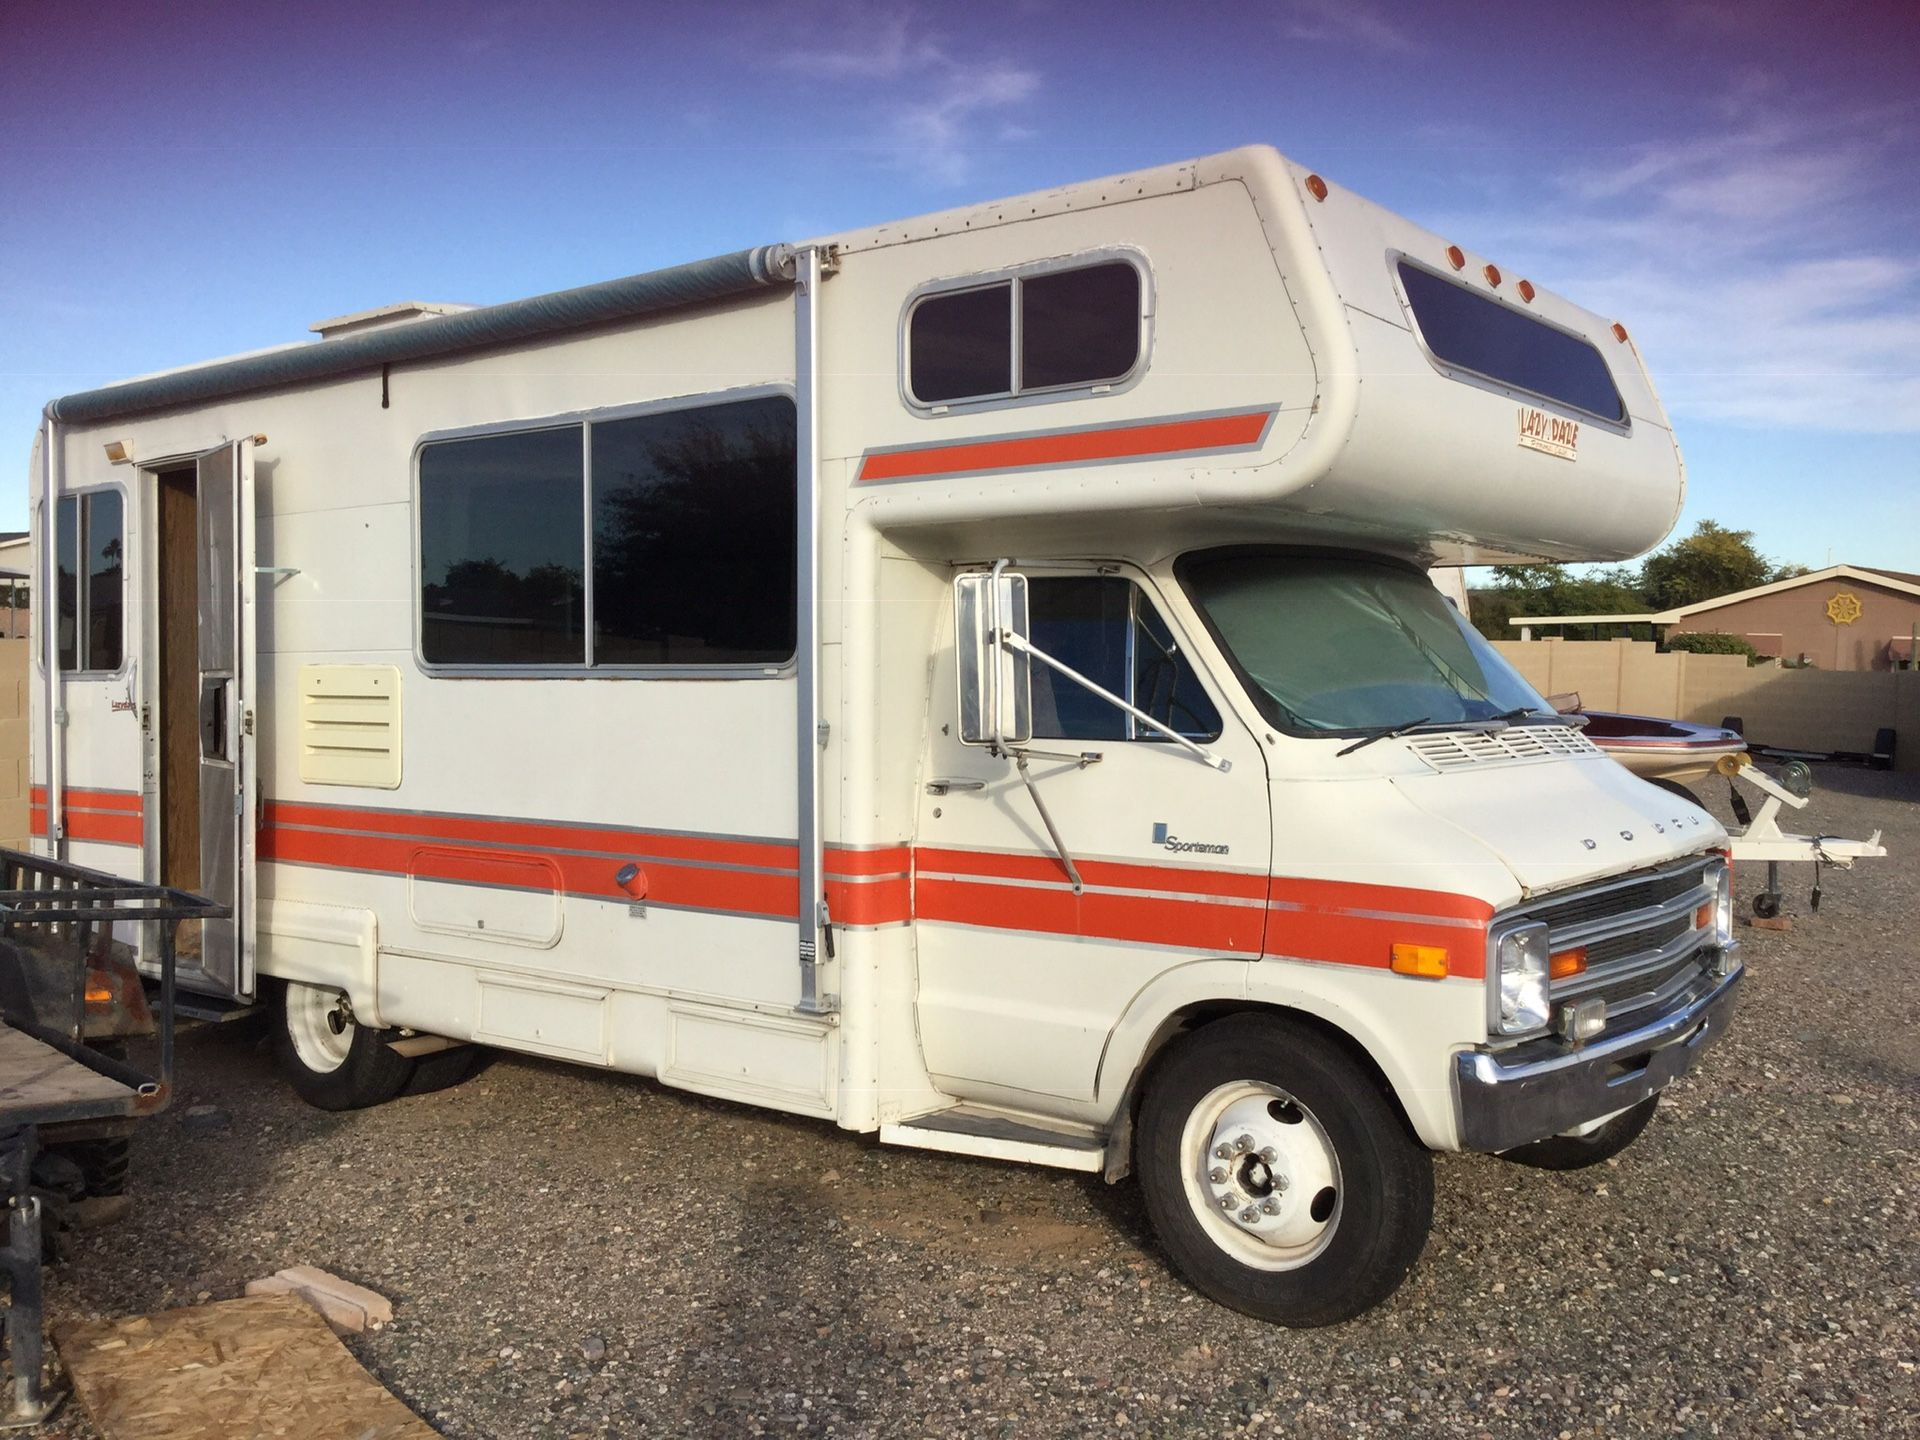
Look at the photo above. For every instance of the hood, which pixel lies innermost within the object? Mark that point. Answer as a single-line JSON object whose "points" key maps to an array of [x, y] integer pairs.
{"points": [[1566, 821]]}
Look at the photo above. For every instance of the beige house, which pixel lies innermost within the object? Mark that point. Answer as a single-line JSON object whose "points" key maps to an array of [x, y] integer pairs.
{"points": [[1845, 617]]}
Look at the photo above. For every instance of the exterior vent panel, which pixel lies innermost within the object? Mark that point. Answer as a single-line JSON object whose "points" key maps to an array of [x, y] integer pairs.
{"points": [[350, 725], [1515, 745]]}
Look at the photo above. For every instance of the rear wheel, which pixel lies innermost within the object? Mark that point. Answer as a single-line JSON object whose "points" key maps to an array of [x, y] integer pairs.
{"points": [[1577, 1152], [334, 1062], [1280, 1178]]}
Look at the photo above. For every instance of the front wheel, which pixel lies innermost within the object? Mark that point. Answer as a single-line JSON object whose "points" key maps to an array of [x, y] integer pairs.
{"points": [[1577, 1152], [1281, 1180], [334, 1062]]}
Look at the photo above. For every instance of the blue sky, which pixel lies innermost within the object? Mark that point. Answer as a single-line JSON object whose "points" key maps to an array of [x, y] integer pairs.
{"points": [[1738, 180]]}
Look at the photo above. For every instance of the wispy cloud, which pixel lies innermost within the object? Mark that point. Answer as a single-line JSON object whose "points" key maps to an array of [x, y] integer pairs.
{"points": [[1763, 264], [1349, 22], [936, 106]]}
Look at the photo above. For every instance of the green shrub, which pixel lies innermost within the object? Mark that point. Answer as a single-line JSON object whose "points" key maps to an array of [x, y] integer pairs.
{"points": [[1714, 643]]}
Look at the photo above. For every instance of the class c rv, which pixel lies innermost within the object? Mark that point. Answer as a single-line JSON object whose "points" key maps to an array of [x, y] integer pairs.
{"points": [[972, 680]]}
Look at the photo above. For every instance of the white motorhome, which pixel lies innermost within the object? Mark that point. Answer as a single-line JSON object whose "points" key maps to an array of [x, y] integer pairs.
{"points": [[972, 680]]}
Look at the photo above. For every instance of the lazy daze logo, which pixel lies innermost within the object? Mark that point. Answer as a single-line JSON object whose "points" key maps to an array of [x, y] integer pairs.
{"points": [[1183, 847], [1549, 434]]}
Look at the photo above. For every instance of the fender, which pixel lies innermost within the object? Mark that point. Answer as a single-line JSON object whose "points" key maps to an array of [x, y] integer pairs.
{"points": [[335, 945], [1408, 1027]]}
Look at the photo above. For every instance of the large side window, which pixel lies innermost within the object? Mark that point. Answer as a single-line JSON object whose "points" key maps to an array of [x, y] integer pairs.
{"points": [[693, 536], [1057, 329], [91, 600], [1106, 628], [1476, 332], [502, 550], [661, 539]]}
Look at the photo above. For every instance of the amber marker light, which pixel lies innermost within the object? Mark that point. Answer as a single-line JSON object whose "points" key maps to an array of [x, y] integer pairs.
{"points": [[1492, 272], [1429, 962], [101, 993], [1525, 287], [1456, 258], [1316, 187], [1619, 332], [1564, 963], [1703, 917]]}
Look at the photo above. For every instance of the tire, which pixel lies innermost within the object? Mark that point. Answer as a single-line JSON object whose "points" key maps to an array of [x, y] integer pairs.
{"points": [[1332, 1168], [442, 1070], [1766, 904], [104, 1164], [1577, 1152], [332, 1062]]}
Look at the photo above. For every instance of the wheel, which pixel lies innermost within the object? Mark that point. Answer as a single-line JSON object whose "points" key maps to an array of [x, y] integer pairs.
{"points": [[442, 1070], [1766, 904], [1678, 789], [104, 1164], [333, 1062], [1281, 1179], [1576, 1152]]}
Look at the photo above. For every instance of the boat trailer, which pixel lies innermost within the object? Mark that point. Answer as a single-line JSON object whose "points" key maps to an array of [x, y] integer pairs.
{"points": [[1760, 837]]}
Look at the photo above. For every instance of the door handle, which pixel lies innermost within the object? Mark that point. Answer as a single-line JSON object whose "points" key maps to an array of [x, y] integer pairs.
{"points": [[213, 717], [943, 787]]}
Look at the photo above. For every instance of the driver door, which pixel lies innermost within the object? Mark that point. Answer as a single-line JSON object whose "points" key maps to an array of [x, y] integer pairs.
{"points": [[1021, 977]]}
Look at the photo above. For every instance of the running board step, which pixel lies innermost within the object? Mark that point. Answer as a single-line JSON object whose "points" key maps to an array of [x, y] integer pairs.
{"points": [[991, 1135]]}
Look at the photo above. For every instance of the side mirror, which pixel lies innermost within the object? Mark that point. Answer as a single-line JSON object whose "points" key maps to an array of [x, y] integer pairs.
{"points": [[996, 680]]}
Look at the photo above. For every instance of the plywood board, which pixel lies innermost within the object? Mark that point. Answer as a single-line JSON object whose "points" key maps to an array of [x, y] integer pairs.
{"points": [[36, 1079], [263, 1368]]}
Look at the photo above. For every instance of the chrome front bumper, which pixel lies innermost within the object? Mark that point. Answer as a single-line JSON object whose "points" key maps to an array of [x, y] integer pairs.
{"points": [[1547, 1087]]}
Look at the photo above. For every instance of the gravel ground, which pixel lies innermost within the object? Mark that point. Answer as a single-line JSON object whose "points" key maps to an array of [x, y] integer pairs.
{"points": [[578, 1254]]}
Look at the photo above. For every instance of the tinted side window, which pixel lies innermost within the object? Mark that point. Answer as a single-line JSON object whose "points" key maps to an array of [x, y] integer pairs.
{"points": [[502, 550], [1079, 327], [1492, 339], [961, 345], [693, 536], [91, 614], [1107, 629]]}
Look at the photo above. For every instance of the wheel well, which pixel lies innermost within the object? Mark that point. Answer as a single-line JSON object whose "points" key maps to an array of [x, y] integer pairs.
{"points": [[1198, 1016]]}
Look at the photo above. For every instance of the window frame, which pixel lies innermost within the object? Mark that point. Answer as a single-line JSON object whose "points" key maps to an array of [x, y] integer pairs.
{"points": [[80, 604], [1143, 589], [585, 669], [1011, 276], [1480, 380]]}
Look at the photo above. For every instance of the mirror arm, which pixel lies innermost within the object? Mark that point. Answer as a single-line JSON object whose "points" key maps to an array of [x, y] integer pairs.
{"points": [[1017, 642], [1046, 818]]}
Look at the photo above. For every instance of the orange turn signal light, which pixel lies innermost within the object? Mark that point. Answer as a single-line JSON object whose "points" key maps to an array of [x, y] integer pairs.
{"points": [[1525, 287], [1455, 258], [98, 992], [1492, 272], [1703, 916], [1563, 963], [1619, 332], [1427, 961]]}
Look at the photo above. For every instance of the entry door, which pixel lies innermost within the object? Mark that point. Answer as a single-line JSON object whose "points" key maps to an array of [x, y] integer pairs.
{"points": [[225, 717], [1021, 979]]}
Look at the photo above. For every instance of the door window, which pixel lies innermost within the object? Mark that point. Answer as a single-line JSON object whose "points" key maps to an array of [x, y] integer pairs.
{"points": [[1106, 628], [92, 603]]}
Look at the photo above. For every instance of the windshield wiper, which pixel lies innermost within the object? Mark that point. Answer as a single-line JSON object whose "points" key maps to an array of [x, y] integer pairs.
{"points": [[1388, 732], [1527, 712]]}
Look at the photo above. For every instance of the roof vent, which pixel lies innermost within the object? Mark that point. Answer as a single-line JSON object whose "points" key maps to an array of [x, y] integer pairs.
{"points": [[384, 317]]}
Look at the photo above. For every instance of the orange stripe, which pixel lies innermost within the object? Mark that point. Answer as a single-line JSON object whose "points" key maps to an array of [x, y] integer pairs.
{"points": [[78, 799], [90, 825], [1072, 447], [1185, 924], [1119, 874]]}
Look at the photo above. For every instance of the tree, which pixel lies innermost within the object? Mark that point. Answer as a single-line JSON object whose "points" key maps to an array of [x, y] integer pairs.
{"points": [[1711, 562], [1552, 590], [1713, 642]]}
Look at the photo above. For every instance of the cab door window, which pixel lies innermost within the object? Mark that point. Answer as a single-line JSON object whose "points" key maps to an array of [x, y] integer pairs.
{"points": [[1105, 627]]}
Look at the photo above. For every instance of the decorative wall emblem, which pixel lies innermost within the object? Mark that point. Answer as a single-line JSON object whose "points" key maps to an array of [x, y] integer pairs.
{"points": [[1844, 608]]}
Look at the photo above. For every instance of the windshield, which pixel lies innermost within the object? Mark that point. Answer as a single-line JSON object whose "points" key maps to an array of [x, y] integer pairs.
{"points": [[1336, 644]]}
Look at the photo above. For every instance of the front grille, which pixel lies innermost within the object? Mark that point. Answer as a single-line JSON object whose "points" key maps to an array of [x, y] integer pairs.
{"points": [[1641, 943]]}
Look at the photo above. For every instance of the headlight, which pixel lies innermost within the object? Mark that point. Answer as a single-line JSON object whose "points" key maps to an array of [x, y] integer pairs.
{"points": [[1522, 960], [1723, 905]]}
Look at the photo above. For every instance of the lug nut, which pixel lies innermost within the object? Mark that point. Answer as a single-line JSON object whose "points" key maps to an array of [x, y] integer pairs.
{"points": [[1227, 1202], [1270, 1155], [1270, 1206], [1243, 1144], [1223, 1151], [1217, 1175], [1280, 1182], [1250, 1216]]}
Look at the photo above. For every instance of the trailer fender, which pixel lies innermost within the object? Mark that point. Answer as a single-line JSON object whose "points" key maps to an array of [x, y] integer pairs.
{"points": [[1359, 1006], [334, 945]]}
